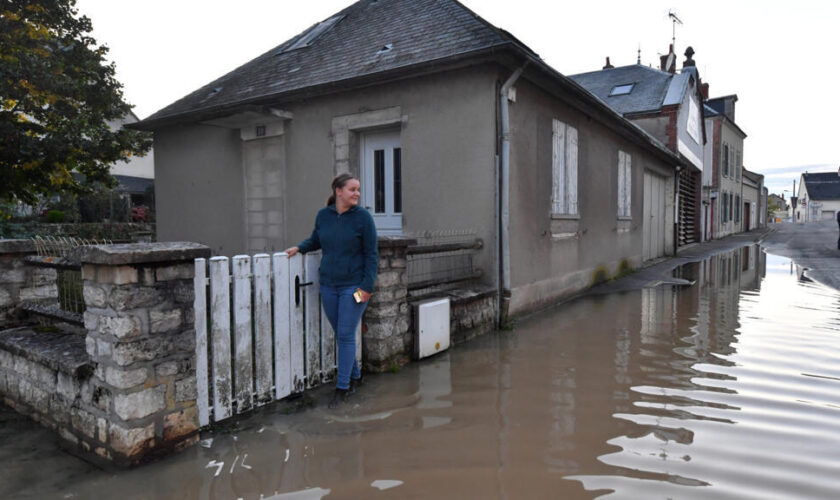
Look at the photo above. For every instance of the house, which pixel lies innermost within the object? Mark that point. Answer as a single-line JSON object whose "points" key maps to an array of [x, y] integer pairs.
{"points": [[668, 105], [723, 169], [136, 176], [818, 197], [449, 122], [754, 201]]}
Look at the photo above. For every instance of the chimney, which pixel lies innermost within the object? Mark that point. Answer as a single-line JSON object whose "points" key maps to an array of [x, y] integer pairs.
{"points": [[704, 90], [668, 62], [688, 60], [608, 65]]}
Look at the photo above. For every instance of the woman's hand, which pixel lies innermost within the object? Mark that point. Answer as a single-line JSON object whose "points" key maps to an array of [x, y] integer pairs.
{"points": [[364, 294], [291, 252]]}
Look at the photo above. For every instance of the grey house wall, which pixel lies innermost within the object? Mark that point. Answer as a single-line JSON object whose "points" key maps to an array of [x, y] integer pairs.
{"points": [[447, 134], [543, 268], [199, 186]]}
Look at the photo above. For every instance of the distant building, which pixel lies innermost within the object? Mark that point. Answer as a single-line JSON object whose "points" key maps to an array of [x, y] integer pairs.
{"points": [[668, 105], [818, 197], [723, 169]]}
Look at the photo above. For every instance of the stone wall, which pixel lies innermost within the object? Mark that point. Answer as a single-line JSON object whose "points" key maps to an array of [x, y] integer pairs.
{"points": [[20, 282], [125, 391], [386, 337]]}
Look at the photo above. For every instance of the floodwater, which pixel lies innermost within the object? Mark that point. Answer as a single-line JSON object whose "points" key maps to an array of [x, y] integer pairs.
{"points": [[729, 388]]}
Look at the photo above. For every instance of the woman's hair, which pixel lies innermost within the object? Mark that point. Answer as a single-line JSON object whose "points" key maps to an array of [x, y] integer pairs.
{"points": [[338, 183]]}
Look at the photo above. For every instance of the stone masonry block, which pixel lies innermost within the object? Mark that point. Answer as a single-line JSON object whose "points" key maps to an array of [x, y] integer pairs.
{"points": [[147, 276], [5, 298], [89, 272], [83, 422], [95, 295], [67, 386], [104, 349], [43, 276], [398, 263], [167, 369], [184, 292], [121, 327], [179, 424], [90, 346], [66, 434], [185, 390], [384, 310], [102, 430], [164, 321], [117, 275], [129, 441], [175, 272], [140, 404], [42, 292], [388, 278], [127, 297], [125, 379], [13, 276]]}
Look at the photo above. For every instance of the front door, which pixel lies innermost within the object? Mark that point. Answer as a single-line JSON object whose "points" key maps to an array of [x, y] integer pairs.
{"points": [[382, 179]]}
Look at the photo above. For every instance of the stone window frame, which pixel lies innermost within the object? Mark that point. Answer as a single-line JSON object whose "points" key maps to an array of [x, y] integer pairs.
{"points": [[346, 132]]}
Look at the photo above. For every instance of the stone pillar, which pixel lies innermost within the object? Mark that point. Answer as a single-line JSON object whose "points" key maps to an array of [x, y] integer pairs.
{"points": [[21, 282], [141, 340], [386, 339]]}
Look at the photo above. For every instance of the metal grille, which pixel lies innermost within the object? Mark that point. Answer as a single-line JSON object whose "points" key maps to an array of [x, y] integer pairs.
{"points": [[53, 253], [442, 258]]}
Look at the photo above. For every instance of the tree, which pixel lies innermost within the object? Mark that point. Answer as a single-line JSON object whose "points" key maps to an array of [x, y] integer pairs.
{"points": [[57, 94]]}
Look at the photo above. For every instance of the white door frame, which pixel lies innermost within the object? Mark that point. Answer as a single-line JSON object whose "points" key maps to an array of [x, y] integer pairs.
{"points": [[382, 146]]}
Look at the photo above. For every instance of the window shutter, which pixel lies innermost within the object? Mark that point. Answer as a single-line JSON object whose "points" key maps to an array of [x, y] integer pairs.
{"points": [[571, 169], [628, 177], [732, 162], [621, 193], [558, 170]]}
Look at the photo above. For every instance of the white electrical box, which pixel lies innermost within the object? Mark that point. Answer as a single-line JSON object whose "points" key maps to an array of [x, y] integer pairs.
{"points": [[431, 327]]}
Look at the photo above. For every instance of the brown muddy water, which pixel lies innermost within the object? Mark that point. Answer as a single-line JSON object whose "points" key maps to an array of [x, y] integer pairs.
{"points": [[729, 388]]}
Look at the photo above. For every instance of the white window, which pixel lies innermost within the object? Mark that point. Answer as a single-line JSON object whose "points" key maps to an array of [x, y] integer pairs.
{"points": [[624, 177], [622, 89], [738, 165], [693, 125], [564, 169], [725, 159]]}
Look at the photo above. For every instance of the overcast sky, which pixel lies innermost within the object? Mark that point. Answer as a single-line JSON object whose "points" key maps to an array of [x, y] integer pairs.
{"points": [[780, 57]]}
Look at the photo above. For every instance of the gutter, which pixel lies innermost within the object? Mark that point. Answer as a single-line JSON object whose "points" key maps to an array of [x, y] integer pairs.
{"points": [[504, 196]]}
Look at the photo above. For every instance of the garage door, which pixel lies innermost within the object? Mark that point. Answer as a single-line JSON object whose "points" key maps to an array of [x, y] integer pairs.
{"points": [[653, 224]]}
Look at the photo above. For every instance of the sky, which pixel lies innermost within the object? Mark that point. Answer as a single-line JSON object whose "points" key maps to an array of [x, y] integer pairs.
{"points": [[779, 57]]}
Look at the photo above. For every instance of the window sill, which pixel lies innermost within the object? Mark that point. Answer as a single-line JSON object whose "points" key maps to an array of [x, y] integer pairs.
{"points": [[565, 216], [624, 217]]}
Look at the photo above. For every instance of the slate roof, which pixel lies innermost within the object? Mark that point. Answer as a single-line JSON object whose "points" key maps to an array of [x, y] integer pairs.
{"points": [[369, 37], [648, 94], [822, 185], [136, 185]]}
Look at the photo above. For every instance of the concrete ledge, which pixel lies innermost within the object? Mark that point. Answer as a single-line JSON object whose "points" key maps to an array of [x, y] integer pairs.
{"points": [[17, 246], [63, 352], [140, 253], [395, 241]]}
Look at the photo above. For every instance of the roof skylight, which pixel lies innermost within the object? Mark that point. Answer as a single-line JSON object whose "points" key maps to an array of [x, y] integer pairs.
{"points": [[309, 36], [622, 89]]}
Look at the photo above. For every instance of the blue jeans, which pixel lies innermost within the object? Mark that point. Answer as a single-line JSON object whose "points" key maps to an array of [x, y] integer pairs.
{"points": [[344, 314]]}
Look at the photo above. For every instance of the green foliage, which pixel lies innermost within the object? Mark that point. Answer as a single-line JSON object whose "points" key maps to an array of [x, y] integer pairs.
{"points": [[57, 94], [55, 216]]}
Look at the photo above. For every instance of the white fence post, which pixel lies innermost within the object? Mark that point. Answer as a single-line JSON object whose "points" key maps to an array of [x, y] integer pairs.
{"points": [[313, 319], [243, 364], [282, 327], [296, 343], [262, 326], [201, 368], [220, 330]]}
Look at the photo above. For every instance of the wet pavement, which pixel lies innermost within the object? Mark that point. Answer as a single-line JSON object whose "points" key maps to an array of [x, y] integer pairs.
{"points": [[727, 388]]}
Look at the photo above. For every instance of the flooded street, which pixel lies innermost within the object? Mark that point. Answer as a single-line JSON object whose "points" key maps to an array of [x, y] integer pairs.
{"points": [[728, 388]]}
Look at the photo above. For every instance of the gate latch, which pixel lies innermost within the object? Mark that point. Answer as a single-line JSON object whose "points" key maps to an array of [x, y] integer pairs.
{"points": [[298, 286]]}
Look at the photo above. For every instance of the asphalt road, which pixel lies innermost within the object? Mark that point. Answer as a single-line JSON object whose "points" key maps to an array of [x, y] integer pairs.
{"points": [[812, 246]]}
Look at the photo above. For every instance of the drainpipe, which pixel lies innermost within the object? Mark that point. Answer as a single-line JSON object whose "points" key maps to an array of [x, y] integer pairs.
{"points": [[677, 209], [504, 296]]}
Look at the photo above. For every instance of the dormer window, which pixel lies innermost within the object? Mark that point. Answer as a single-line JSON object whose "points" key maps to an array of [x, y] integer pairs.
{"points": [[313, 33], [622, 89]]}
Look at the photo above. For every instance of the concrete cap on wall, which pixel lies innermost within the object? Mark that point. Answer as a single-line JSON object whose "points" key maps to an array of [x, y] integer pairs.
{"points": [[141, 253], [17, 246]]}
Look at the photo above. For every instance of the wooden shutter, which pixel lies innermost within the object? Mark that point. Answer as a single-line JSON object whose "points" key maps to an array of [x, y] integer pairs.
{"points": [[558, 170], [621, 193], [571, 169]]}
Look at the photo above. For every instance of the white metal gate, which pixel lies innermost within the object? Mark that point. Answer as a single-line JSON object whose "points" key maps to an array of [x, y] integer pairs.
{"points": [[259, 331], [653, 217]]}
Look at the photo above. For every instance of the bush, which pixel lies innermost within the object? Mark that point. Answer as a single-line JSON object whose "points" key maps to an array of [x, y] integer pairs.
{"points": [[55, 216]]}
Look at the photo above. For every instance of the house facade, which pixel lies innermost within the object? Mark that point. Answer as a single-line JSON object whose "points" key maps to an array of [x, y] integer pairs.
{"points": [[818, 197], [471, 133], [668, 105]]}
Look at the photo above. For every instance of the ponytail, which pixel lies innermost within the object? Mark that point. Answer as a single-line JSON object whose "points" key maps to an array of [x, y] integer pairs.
{"points": [[338, 183]]}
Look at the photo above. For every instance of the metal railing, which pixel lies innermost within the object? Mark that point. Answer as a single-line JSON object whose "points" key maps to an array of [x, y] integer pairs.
{"points": [[442, 259]]}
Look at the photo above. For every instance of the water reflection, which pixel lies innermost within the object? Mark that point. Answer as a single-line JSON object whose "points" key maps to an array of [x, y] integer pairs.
{"points": [[726, 388]]}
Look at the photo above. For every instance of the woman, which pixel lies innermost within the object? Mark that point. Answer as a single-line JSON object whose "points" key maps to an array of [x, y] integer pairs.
{"points": [[347, 235]]}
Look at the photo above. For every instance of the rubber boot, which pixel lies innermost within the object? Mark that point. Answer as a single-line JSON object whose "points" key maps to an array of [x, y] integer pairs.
{"points": [[339, 397]]}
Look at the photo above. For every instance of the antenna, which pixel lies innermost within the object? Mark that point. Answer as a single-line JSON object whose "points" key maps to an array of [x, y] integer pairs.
{"points": [[639, 54], [674, 21]]}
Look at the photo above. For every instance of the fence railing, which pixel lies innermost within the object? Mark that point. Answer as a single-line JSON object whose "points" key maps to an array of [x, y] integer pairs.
{"points": [[442, 259]]}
